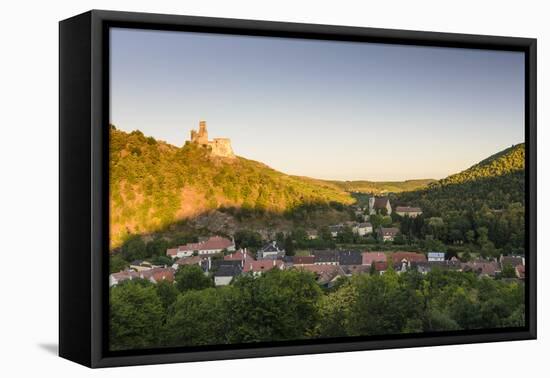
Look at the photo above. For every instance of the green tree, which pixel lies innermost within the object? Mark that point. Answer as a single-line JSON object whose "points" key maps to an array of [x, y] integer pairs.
{"points": [[161, 260], [117, 263], [345, 235], [248, 239], [167, 293], [157, 247], [135, 316], [192, 277], [289, 246], [279, 305], [386, 221], [508, 271], [199, 318], [133, 249], [384, 306], [334, 311]]}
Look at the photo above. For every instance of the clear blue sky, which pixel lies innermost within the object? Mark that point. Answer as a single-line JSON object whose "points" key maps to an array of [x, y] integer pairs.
{"points": [[322, 109]]}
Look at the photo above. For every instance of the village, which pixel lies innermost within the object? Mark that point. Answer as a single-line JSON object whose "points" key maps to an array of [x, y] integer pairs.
{"points": [[219, 257]]}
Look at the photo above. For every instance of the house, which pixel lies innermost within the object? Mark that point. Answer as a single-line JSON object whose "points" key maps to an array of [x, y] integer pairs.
{"points": [[520, 272], [350, 258], [192, 260], [154, 275], [270, 251], [436, 256], [179, 252], [355, 269], [326, 257], [216, 264], [124, 275], [208, 246], [139, 265], [362, 229], [241, 255], [487, 268], [379, 205], [403, 261], [302, 260], [312, 234], [224, 274], [387, 233], [287, 260], [259, 267], [511, 260], [335, 229], [325, 275], [408, 211], [408, 256], [368, 258]]}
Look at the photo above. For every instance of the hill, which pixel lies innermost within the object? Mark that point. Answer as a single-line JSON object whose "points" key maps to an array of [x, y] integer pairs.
{"points": [[488, 198], [154, 184], [502, 163], [382, 187]]}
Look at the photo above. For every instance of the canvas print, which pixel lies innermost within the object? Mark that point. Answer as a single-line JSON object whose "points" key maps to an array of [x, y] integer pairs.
{"points": [[267, 190]]}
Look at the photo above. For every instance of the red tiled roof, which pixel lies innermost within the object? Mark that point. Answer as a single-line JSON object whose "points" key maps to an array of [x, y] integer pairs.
{"points": [[261, 265], [240, 255], [125, 275], [388, 231], [172, 251], [397, 257], [370, 257], [161, 274], [307, 260], [489, 268], [191, 260]]}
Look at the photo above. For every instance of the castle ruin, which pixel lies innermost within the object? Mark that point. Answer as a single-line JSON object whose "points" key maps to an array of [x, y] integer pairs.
{"points": [[218, 146]]}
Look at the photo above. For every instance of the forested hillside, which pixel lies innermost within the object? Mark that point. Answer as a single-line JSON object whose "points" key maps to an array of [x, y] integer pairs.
{"points": [[483, 205], [510, 160], [154, 184]]}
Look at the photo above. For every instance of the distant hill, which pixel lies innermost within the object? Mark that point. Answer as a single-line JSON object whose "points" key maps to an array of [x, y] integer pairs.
{"points": [[153, 184], [382, 187]]}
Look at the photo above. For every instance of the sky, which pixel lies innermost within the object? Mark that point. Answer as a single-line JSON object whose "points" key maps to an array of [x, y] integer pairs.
{"points": [[323, 109]]}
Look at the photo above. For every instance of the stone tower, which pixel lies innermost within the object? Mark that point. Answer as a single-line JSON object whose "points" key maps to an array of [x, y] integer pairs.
{"points": [[218, 146], [200, 137]]}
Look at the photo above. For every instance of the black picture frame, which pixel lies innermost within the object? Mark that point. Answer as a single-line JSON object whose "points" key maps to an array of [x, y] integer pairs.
{"points": [[83, 181]]}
